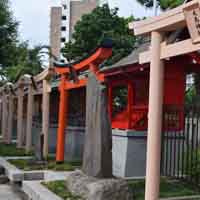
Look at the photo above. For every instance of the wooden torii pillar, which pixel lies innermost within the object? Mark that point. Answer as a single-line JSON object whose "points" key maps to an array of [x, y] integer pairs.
{"points": [[45, 77], [20, 97], [20, 86], [187, 15], [1, 108], [91, 63], [10, 114], [30, 103], [4, 115], [4, 127]]}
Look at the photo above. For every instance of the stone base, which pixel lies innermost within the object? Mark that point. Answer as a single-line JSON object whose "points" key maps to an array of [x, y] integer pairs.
{"points": [[97, 189], [129, 153]]}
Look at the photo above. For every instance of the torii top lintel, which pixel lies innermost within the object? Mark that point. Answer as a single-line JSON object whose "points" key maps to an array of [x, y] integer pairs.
{"points": [[184, 15], [94, 60]]}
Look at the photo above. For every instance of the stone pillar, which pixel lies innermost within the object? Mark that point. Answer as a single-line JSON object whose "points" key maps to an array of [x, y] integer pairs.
{"points": [[10, 118], [29, 118], [154, 119], [97, 158], [45, 116], [20, 117]]}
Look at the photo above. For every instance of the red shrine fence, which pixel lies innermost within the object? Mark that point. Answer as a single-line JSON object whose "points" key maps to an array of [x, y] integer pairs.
{"points": [[181, 148]]}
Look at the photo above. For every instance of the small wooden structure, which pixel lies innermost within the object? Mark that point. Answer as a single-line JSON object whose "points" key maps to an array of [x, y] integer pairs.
{"points": [[185, 17]]}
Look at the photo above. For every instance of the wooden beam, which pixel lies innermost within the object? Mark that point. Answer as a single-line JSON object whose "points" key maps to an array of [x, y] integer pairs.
{"points": [[44, 74], [171, 50], [152, 186], [45, 116], [4, 117], [10, 118], [20, 117], [130, 103], [29, 119], [110, 101], [62, 123], [168, 21], [192, 16], [71, 85]]}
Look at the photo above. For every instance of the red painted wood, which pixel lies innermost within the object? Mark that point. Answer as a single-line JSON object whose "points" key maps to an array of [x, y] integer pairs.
{"points": [[130, 103], [90, 63], [110, 101], [62, 121]]}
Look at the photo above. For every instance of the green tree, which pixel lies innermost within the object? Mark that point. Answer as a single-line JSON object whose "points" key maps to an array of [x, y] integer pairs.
{"points": [[8, 33], [164, 4], [102, 23], [16, 58], [25, 61]]}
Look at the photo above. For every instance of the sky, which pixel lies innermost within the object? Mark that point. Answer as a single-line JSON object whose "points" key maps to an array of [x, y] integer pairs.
{"points": [[34, 16]]}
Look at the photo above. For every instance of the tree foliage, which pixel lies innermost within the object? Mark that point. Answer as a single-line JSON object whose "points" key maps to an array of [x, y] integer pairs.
{"points": [[16, 58], [8, 33], [25, 61], [102, 23], [164, 4]]}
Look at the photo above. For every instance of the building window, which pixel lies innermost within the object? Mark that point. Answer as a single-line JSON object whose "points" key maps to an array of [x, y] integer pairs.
{"points": [[63, 39], [65, 7], [64, 17], [63, 28]]}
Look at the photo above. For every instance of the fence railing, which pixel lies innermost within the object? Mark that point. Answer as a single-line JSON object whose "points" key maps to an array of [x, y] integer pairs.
{"points": [[181, 146]]}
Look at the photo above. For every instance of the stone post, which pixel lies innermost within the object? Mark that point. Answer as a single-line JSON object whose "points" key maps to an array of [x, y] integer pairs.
{"points": [[154, 119], [29, 118], [97, 158], [45, 115], [20, 117]]}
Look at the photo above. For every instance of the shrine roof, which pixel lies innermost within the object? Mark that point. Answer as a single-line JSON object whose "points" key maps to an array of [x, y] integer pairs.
{"points": [[132, 58]]}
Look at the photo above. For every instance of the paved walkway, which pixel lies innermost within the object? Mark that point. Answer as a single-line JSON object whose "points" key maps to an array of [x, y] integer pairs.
{"points": [[9, 193]]}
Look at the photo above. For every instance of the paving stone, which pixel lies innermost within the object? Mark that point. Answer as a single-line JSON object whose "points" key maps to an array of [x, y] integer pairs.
{"points": [[8, 193]]}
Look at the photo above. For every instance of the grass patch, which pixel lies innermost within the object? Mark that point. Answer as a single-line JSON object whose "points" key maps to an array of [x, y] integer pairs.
{"points": [[11, 150], [60, 189], [168, 188], [29, 165]]}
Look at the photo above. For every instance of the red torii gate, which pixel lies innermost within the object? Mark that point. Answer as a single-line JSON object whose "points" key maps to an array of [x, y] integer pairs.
{"points": [[90, 63]]}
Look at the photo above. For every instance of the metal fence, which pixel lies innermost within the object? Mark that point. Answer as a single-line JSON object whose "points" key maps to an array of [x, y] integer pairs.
{"points": [[181, 144]]}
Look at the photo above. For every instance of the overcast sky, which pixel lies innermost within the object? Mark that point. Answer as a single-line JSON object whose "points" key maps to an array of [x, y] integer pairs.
{"points": [[33, 16]]}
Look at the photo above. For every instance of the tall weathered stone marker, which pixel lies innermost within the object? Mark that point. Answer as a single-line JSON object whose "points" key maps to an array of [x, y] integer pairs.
{"points": [[97, 158]]}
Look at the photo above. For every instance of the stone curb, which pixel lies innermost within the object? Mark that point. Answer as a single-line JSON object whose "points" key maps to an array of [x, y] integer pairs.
{"points": [[36, 191], [17, 157], [16, 175], [195, 197], [13, 173]]}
